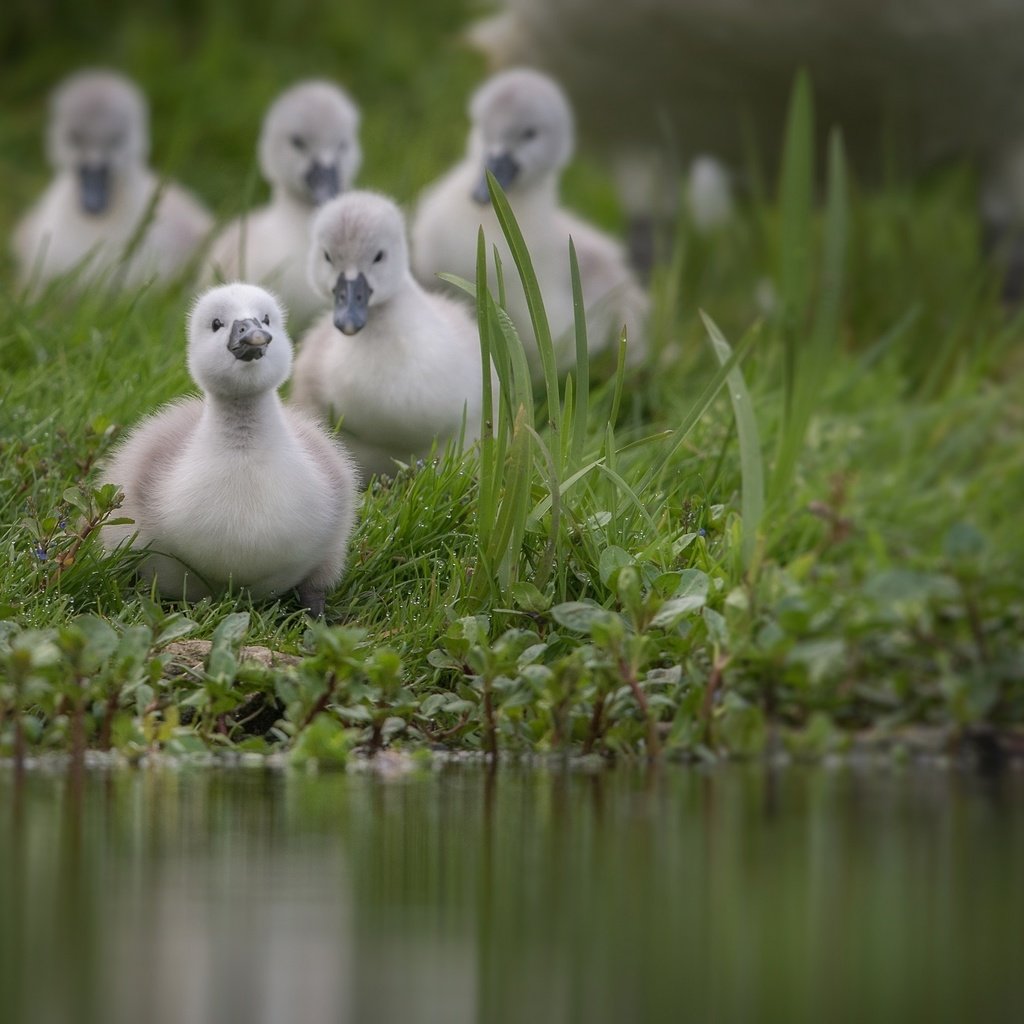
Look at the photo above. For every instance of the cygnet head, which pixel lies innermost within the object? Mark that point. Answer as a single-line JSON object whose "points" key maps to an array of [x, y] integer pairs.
{"points": [[309, 146], [238, 345], [99, 132], [522, 130], [359, 255]]}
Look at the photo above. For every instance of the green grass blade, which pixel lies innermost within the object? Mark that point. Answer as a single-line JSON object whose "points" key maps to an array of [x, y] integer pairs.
{"points": [[489, 470], [630, 495], [751, 462], [700, 407], [546, 563], [816, 358], [582, 410], [534, 301], [796, 207]]}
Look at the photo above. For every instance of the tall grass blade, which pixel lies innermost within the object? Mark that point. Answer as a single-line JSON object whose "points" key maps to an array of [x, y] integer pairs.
{"points": [[815, 357], [488, 466], [796, 206], [699, 408], [751, 462], [582, 411], [534, 301]]}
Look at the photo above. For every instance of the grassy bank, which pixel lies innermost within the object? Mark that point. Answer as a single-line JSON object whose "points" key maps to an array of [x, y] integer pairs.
{"points": [[634, 561]]}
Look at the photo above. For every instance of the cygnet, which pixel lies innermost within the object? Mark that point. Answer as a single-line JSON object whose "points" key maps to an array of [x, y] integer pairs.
{"points": [[234, 488], [399, 367], [309, 153], [522, 132], [105, 215]]}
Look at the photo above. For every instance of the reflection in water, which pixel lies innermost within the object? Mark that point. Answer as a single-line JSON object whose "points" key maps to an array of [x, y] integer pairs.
{"points": [[459, 896]]}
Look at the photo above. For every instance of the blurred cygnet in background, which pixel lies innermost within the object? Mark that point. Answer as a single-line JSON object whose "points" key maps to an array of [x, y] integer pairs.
{"points": [[105, 215], [522, 132], [309, 152]]}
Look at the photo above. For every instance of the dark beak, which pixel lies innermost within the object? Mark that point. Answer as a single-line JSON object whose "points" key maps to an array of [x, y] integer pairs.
{"points": [[322, 182], [351, 304], [94, 186], [505, 169], [248, 340]]}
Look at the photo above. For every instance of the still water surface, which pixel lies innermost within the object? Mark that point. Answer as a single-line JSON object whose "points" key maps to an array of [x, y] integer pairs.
{"points": [[738, 894]]}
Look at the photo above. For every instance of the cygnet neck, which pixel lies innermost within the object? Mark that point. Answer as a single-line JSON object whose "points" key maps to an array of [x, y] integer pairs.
{"points": [[242, 421], [283, 196], [405, 298], [542, 192]]}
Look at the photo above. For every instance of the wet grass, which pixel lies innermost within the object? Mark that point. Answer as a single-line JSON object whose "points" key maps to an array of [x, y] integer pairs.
{"points": [[634, 561]]}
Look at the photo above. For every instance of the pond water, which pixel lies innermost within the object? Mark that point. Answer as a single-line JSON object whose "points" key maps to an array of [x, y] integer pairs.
{"points": [[732, 894]]}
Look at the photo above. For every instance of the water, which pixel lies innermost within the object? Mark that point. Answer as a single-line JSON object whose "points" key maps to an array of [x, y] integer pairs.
{"points": [[526, 896]]}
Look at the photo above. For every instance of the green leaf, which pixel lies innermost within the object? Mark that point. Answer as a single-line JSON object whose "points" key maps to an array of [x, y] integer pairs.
{"points": [[444, 660], [677, 608], [578, 616], [740, 727], [325, 742], [528, 597], [718, 629], [101, 640], [231, 629], [173, 628], [74, 497], [964, 543], [612, 559]]}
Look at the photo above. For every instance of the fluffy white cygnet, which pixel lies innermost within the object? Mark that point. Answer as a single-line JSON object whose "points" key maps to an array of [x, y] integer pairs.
{"points": [[399, 367], [522, 131], [309, 152], [234, 488], [103, 192]]}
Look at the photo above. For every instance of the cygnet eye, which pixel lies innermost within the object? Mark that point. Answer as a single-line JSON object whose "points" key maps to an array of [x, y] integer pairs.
{"points": [[216, 325], [379, 258], [298, 142], [529, 133], [327, 256], [266, 319]]}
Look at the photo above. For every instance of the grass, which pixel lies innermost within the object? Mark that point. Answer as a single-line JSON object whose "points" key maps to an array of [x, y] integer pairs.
{"points": [[794, 537]]}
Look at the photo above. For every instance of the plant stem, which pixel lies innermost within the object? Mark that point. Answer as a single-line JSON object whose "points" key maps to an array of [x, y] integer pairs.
{"points": [[19, 743], [322, 701], [714, 683], [78, 724], [594, 732], [653, 743], [492, 733], [113, 699]]}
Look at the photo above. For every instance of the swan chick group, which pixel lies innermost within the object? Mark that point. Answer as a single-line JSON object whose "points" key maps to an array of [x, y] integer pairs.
{"points": [[399, 367], [233, 488]]}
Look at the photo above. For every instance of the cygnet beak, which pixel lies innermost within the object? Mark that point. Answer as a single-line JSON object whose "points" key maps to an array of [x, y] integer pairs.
{"points": [[505, 169], [94, 187], [322, 182], [351, 303], [248, 340]]}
